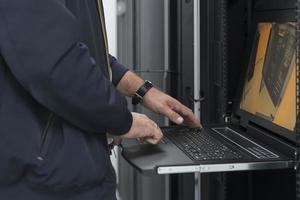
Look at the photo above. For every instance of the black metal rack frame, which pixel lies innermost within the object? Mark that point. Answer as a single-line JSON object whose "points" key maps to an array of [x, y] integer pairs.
{"points": [[297, 129], [227, 103]]}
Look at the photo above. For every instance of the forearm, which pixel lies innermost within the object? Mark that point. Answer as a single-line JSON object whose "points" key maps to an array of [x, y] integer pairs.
{"points": [[130, 83], [158, 101]]}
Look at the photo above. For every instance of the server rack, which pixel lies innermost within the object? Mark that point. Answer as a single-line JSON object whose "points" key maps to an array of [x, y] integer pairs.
{"points": [[223, 23], [221, 57], [239, 16]]}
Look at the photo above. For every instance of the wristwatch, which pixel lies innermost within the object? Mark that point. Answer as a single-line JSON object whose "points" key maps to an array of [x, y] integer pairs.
{"points": [[140, 93]]}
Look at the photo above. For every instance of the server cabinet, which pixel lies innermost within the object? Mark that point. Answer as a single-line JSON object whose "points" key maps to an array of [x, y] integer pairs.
{"points": [[225, 27], [142, 47], [142, 44], [235, 22]]}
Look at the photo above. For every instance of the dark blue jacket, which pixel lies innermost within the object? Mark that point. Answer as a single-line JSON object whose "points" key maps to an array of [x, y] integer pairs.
{"points": [[56, 102]]}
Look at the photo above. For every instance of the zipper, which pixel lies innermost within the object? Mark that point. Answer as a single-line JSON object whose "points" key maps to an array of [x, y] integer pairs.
{"points": [[104, 36], [103, 31], [44, 135]]}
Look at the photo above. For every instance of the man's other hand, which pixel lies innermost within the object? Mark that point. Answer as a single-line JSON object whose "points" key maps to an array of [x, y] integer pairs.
{"points": [[164, 104], [144, 128]]}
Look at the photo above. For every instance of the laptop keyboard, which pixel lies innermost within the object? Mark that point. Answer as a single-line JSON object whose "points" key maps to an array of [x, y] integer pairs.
{"points": [[188, 141]]}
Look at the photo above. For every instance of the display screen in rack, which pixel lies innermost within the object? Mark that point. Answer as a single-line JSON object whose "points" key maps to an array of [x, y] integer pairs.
{"points": [[270, 88]]}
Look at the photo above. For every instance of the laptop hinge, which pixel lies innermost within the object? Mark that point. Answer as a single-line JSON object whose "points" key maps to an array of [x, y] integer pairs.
{"points": [[227, 118], [232, 119], [228, 113]]}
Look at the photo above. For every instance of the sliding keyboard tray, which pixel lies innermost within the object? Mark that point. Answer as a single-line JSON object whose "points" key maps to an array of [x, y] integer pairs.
{"points": [[167, 158]]}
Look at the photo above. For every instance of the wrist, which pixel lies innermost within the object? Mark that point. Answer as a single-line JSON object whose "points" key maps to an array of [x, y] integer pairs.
{"points": [[130, 83], [141, 92], [136, 86]]}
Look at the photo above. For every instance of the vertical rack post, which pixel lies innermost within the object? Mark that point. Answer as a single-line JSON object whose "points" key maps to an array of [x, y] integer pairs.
{"points": [[297, 130], [225, 104], [197, 81], [165, 76]]}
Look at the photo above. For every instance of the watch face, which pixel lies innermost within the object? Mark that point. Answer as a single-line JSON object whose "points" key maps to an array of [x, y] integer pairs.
{"points": [[148, 84]]}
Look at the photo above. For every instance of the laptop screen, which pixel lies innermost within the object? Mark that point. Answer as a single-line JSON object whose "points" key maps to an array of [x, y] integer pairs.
{"points": [[270, 85]]}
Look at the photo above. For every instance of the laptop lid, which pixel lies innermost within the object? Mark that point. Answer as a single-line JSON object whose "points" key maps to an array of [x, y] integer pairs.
{"points": [[268, 93]]}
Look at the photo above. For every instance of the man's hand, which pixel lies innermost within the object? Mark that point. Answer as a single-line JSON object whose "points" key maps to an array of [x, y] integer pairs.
{"points": [[162, 103], [158, 101], [144, 128]]}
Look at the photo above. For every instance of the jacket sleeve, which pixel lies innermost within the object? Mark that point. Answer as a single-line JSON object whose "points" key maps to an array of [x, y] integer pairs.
{"points": [[118, 70], [40, 43]]}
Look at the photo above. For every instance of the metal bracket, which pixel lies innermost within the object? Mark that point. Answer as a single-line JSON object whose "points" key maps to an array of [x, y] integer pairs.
{"points": [[230, 167], [227, 118]]}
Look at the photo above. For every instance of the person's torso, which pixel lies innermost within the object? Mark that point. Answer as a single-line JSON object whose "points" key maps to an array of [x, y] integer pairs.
{"points": [[50, 152]]}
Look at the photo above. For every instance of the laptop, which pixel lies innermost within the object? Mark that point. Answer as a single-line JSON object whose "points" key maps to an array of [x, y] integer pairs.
{"points": [[261, 134]]}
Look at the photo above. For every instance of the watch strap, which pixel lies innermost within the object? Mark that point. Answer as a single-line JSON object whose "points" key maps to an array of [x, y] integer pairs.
{"points": [[140, 93]]}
